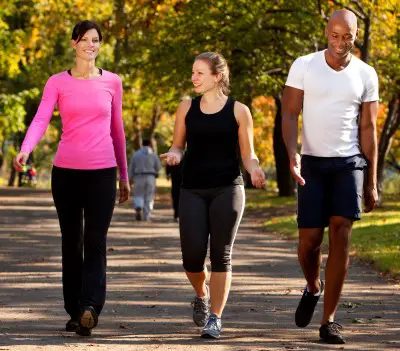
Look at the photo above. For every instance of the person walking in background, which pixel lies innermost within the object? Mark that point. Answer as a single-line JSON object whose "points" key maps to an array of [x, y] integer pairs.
{"points": [[213, 127], [143, 168], [175, 174], [84, 171], [339, 97]]}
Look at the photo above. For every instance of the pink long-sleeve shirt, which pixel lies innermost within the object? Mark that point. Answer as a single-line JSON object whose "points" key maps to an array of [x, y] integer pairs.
{"points": [[92, 129]]}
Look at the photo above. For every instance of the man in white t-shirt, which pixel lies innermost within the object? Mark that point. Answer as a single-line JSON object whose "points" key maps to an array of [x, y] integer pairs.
{"points": [[338, 94]]}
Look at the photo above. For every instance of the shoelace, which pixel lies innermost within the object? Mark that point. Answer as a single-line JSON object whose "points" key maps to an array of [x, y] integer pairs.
{"points": [[336, 327], [212, 323], [199, 305]]}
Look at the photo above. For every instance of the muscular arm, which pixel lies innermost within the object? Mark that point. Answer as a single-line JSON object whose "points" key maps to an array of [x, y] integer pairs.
{"points": [[369, 148], [292, 103]]}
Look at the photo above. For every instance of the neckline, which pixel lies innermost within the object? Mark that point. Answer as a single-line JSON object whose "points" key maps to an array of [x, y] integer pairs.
{"points": [[84, 80], [215, 113], [331, 69]]}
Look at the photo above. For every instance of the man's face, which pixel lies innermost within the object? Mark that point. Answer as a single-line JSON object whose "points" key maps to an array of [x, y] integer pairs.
{"points": [[341, 38]]}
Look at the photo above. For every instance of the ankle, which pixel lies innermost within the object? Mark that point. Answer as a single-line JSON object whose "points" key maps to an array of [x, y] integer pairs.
{"points": [[218, 315], [203, 294], [315, 288]]}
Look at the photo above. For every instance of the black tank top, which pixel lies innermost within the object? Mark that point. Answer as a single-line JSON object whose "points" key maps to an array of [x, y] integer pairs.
{"points": [[212, 155]]}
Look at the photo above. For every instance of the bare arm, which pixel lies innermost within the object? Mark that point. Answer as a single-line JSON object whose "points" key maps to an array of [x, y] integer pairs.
{"points": [[369, 148], [246, 143], [292, 103], [174, 155], [245, 122]]}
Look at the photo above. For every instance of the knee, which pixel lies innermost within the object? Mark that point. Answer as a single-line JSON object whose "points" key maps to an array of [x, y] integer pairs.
{"points": [[221, 260], [309, 244], [193, 262], [340, 231]]}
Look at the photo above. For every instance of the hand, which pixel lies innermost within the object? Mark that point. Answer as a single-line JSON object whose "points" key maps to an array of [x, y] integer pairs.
{"points": [[258, 178], [370, 198], [124, 190], [172, 158], [295, 168], [20, 161]]}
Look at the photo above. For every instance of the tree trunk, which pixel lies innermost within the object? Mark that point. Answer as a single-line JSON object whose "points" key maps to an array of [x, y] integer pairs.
{"points": [[13, 174], [392, 124], [286, 184], [137, 132], [118, 33], [154, 121]]}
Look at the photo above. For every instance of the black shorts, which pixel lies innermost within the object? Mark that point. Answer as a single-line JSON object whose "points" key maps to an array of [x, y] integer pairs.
{"points": [[334, 187]]}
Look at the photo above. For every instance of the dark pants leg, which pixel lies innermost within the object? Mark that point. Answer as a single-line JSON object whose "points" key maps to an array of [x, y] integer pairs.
{"points": [[91, 192], [99, 203], [68, 198], [175, 192]]}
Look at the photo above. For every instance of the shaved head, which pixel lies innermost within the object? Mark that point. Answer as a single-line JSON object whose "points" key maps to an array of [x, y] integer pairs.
{"points": [[344, 18], [341, 32]]}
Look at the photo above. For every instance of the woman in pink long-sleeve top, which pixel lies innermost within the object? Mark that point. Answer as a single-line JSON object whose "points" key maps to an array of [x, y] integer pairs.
{"points": [[84, 171]]}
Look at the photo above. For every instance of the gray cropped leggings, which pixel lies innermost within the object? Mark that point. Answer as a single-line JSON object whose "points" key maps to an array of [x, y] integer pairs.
{"points": [[214, 213]]}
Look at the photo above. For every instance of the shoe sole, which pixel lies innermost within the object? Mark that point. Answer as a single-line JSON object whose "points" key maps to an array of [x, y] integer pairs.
{"points": [[72, 328], [82, 331], [333, 341], [200, 324], [209, 336], [87, 320]]}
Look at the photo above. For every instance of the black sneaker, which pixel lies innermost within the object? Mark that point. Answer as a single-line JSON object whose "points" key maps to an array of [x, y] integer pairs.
{"points": [[138, 214], [306, 307], [201, 310], [72, 325], [330, 333], [87, 321], [213, 327]]}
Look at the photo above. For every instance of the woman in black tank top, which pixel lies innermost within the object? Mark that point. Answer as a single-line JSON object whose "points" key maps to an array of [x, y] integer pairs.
{"points": [[215, 129]]}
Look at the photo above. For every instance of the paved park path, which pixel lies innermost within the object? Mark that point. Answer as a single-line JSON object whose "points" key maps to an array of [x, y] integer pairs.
{"points": [[148, 296]]}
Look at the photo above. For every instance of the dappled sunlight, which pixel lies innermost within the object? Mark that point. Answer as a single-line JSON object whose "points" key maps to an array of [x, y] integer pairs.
{"points": [[148, 299]]}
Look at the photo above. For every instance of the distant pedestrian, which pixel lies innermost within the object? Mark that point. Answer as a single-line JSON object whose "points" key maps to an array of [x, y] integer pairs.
{"points": [[143, 168]]}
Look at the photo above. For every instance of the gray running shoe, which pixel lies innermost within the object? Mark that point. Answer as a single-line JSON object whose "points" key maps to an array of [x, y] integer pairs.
{"points": [[213, 327], [200, 310]]}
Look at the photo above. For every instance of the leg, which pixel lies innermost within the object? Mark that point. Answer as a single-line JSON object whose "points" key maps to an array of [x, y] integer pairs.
{"points": [[337, 264], [99, 205], [194, 232], [312, 217], [138, 194], [226, 210], [66, 190], [309, 254], [150, 189], [347, 186], [175, 191]]}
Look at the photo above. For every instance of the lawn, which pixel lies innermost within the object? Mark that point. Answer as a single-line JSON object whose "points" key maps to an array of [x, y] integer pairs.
{"points": [[376, 238]]}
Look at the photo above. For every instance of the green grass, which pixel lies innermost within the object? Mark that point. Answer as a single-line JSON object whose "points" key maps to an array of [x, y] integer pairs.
{"points": [[376, 238]]}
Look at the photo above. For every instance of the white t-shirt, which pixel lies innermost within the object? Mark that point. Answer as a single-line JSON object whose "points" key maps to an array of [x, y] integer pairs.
{"points": [[332, 101]]}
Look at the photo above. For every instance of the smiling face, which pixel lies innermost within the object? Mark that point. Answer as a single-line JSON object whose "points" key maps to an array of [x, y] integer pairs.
{"points": [[202, 78], [87, 48], [341, 33]]}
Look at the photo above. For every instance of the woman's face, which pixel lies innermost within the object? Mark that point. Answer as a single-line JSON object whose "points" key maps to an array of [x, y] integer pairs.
{"points": [[202, 78], [89, 45]]}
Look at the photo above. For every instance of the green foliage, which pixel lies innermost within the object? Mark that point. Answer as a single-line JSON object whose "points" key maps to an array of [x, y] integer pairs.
{"points": [[375, 237], [12, 112]]}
